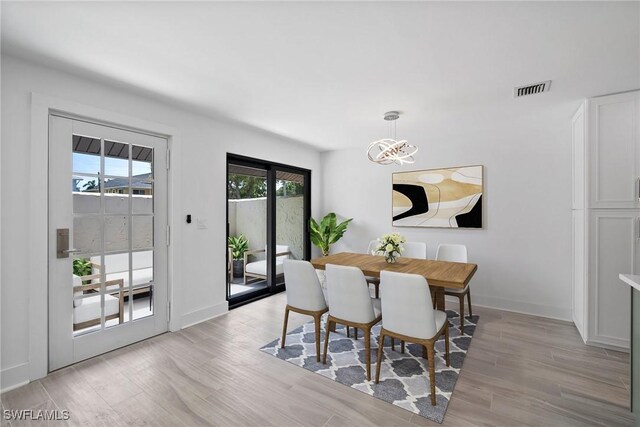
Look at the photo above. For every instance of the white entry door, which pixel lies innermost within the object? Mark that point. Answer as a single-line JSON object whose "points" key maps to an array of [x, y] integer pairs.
{"points": [[108, 239]]}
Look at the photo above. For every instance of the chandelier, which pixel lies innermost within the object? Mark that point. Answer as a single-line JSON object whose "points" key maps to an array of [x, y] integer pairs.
{"points": [[391, 150]]}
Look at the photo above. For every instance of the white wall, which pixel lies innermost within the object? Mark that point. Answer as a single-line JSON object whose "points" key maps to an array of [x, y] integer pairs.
{"points": [[524, 251], [204, 144], [248, 217]]}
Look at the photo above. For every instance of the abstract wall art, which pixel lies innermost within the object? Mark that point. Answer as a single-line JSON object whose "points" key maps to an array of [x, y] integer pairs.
{"points": [[445, 198]]}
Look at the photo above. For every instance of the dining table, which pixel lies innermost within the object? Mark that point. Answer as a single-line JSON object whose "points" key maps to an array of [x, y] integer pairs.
{"points": [[439, 274]]}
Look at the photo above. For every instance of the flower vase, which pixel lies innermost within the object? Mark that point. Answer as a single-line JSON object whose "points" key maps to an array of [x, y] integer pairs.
{"points": [[390, 259]]}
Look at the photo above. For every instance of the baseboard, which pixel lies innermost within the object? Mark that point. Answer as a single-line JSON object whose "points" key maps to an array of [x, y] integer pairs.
{"points": [[611, 344], [523, 307], [203, 314], [14, 377]]}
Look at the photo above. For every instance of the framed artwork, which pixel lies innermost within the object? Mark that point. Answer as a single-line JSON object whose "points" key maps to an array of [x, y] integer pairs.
{"points": [[442, 198]]}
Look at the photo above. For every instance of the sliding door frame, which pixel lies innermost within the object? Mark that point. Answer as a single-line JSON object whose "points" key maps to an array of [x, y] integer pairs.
{"points": [[271, 168]]}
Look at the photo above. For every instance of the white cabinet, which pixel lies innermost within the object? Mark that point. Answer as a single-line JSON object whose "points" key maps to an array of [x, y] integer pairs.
{"points": [[614, 151], [613, 250], [605, 216], [578, 166], [579, 273]]}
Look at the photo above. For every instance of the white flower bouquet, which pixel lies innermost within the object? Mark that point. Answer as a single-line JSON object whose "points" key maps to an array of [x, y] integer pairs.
{"points": [[390, 246]]}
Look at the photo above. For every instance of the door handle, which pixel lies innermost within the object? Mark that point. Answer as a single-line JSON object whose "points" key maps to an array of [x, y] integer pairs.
{"points": [[62, 244]]}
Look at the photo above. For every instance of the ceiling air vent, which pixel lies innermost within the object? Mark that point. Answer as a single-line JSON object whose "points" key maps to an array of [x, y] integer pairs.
{"points": [[531, 89]]}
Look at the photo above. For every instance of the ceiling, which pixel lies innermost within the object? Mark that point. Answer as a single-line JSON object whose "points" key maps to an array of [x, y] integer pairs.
{"points": [[325, 73]]}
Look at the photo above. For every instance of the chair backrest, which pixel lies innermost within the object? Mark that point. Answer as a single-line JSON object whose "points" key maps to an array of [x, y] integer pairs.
{"points": [[349, 297], [279, 250], [119, 263], [406, 305], [303, 287], [415, 250], [453, 253], [372, 246]]}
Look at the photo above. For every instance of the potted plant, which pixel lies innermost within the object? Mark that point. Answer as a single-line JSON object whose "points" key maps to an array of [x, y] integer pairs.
{"points": [[390, 246], [238, 245], [82, 267], [328, 232]]}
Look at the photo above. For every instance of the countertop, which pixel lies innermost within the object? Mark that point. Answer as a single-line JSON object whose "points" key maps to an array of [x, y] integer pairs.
{"points": [[632, 280]]}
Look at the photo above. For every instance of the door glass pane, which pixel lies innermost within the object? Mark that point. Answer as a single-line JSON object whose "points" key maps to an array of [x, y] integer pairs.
{"points": [[142, 197], [87, 307], [86, 155], [116, 276], [116, 232], [289, 219], [116, 161], [142, 231], [87, 233], [142, 273], [247, 206], [116, 200], [86, 194], [142, 161]]}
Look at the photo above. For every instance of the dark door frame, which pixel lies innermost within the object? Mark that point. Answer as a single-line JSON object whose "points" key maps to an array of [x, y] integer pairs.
{"points": [[271, 169]]}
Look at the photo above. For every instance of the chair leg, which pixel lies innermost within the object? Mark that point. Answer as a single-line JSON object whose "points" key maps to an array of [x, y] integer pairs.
{"points": [[355, 333], [377, 289], [461, 299], [425, 354], [348, 334], [402, 347], [284, 327], [326, 342], [446, 341], [432, 372], [317, 330], [393, 344], [379, 361], [469, 302], [367, 351]]}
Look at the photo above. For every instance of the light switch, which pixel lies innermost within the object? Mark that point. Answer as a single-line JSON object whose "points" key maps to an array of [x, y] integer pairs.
{"points": [[201, 223]]}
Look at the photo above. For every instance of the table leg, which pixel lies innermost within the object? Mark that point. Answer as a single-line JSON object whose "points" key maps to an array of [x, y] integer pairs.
{"points": [[439, 298]]}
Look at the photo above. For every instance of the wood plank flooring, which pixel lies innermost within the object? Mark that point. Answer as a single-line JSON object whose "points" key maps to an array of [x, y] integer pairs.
{"points": [[520, 370]]}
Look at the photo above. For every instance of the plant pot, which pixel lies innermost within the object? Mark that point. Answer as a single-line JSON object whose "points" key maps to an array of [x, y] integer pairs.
{"points": [[238, 268]]}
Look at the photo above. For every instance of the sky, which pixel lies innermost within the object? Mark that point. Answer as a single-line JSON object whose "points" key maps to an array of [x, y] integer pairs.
{"points": [[90, 164]]}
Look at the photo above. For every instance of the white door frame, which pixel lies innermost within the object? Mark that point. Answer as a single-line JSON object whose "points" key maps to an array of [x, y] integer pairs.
{"points": [[41, 107]]}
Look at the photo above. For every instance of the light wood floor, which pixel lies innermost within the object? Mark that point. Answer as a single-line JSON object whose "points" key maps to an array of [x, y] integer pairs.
{"points": [[520, 370]]}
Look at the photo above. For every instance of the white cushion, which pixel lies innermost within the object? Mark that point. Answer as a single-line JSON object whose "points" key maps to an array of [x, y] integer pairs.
{"points": [[140, 277], [260, 267], [90, 308], [457, 291]]}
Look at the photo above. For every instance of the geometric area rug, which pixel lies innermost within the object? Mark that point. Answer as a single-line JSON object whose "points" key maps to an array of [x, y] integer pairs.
{"points": [[404, 378]]}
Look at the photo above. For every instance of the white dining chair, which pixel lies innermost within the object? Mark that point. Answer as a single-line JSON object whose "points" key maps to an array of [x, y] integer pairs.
{"points": [[351, 305], [408, 314], [456, 253], [304, 296], [415, 250]]}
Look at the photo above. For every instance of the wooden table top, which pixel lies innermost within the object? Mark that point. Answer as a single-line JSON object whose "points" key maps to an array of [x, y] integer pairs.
{"points": [[438, 273]]}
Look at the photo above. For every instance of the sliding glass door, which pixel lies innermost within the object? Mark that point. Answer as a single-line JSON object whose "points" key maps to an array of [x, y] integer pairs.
{"points": [[268, 209]]}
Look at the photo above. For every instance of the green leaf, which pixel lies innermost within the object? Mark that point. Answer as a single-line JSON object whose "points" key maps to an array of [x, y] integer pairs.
{"points": [[328, 232]]}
